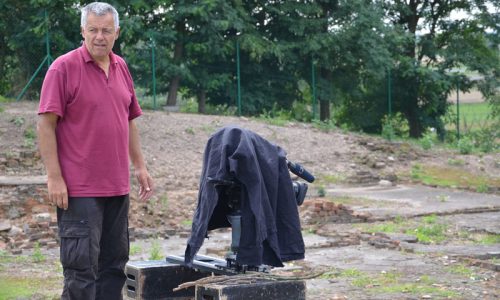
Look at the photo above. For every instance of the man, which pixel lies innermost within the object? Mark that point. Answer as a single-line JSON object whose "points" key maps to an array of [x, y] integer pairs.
{"points": [[86, 134]]}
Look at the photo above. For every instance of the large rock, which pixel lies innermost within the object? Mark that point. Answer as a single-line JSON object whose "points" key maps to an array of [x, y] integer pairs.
{"points": [[5, 225]]}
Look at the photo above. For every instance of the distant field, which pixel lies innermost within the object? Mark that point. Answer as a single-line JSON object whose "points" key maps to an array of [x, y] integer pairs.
{"points": [[473, 115], [474, 96]]}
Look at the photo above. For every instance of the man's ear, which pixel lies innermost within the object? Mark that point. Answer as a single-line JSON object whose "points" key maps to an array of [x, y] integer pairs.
{"points": [[81, 31], [117, 33]]}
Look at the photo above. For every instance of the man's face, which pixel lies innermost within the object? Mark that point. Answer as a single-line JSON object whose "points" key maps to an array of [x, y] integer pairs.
{"points": [[100, 35]]}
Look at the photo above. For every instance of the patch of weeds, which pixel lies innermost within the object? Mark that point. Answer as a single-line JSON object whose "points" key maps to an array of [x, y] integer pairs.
{"points": [[431, 219], [323, 125], [465, 145], [29, 137], [388, 227], [155, 251], [321, 191], [482, 188], [443, 198], [429, 233], [18, 121], [58, 266], [363, 281], [333, 273], [456, 162], [416, 170], [451, 177], [189, 130], [418, 289], [208, 128], [187, 222], [275, 116], [135, 249], [461, 269], [330, 179], [489, 239], [427, 140], [351, 201], [359, 279], [37, 255], [399, 219], [28, 288], [307, 231], [14, 288], [164, 202]]}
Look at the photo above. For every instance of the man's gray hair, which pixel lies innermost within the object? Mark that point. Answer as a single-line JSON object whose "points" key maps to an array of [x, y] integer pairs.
{"points": [[99, 9]]}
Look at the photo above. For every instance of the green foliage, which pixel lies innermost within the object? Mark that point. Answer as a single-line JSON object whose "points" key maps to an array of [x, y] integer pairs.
{"points": [[388, 131], [135, 249], [428, 140], [155, 251], [189, 106], [429, 233], [451, 177], [394, 126], [465, 145], [357, 49], [37, 255], [18, 121], [490, 239], [324, 126], [321, 191], [12, 288]]}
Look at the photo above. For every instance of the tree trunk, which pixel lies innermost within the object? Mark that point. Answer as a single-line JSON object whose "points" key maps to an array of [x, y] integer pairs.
{"points": [[178, 52], [202, 97], [324, 101], [172, 91], [324, 110], [412, 114]]}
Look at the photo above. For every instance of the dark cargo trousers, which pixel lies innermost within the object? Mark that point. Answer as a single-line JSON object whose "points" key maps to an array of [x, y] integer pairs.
{"points": [[94, 247]]}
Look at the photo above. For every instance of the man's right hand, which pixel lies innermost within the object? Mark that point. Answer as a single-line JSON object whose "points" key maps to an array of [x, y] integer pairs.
{"points": [[58, 192]]}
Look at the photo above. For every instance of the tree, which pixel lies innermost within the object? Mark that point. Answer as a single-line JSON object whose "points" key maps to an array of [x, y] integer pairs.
{"points": [[428, 45]]}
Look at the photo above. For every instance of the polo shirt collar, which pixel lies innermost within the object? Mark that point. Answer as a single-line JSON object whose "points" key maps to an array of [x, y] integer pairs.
{"points": [[88, 58]]}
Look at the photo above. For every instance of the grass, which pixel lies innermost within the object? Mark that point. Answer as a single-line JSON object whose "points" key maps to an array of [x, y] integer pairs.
{"points": [[427, 229], [451, 177], [391, 283], [26, 288], [37, 255], [327, 179], [488, 239], [155, 251], [359, 201], [135, 249], [418, 289], [461, 269], [473, 115]]}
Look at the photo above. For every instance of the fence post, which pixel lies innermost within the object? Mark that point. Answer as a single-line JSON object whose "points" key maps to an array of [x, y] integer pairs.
{"points": [[238, 75], [47, 59], [458, 109], [153, 66], [389, 92], [313, 87]]}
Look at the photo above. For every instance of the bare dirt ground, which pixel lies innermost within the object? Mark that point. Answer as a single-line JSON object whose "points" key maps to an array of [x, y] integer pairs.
{"points": [[173, 145]]}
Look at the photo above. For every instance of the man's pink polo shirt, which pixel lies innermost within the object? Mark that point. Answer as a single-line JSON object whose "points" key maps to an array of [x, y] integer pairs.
{"points": [[93, 128]]}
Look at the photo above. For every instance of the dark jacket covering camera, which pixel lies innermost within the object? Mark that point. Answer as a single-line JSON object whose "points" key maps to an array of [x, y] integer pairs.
{"points": [[270, 225]]}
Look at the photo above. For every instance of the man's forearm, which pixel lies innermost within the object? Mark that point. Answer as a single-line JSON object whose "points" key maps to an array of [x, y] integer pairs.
{"points": [[135, 152], [47, 143]]}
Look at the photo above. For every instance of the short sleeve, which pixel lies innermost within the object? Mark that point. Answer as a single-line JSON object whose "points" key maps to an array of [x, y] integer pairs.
{"points": [[53, 94]]}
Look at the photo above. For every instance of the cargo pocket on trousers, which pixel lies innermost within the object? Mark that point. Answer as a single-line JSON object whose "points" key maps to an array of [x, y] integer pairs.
{"points": [[75, 245]]}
